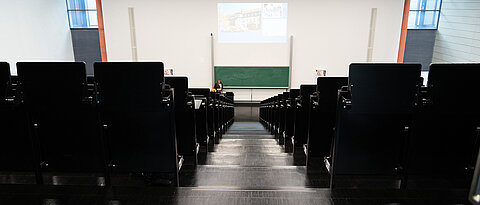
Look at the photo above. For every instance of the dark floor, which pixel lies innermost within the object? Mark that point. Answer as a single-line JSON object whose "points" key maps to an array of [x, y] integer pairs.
{"points": [[247, 167], [249, 158]]}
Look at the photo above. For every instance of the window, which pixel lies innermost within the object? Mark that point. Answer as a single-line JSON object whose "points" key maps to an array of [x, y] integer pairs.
{"points": [[424, 14], [82, 13]]}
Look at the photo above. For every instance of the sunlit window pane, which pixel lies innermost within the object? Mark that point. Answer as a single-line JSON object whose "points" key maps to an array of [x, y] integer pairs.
{"points": [[92, 19], [83, 19], [82, 13], [76, 5], [91, 4], [424, 14], [423, 19], [425, 4]]}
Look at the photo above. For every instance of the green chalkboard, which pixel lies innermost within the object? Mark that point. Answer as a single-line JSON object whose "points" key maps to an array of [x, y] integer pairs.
{"points": [[252, 76]]}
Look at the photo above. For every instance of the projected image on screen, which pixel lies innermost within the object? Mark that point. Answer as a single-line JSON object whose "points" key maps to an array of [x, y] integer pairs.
{"points": [[252, 22]]}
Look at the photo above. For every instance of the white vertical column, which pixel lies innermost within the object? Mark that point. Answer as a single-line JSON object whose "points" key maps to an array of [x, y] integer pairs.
{"points": [[133, 35], [371, 36], [212, 53]]}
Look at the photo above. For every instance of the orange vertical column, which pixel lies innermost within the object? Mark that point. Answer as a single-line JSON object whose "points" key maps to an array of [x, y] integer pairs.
{"points": [[101, 31], [403, 35]]}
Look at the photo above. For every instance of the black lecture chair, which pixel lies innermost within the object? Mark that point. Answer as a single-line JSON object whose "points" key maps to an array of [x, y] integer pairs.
{"points": [[211, 113], [219, 118], [213, 118], [302, 107], [443, 149], [274, 120], [16, 149], [268, 113], [263, 113], [263, 110], [278, 116], [290, 122], [374, 118], [138, 118], [63, 118], [4, 80], [201, 96], [323, 107], [283, 118], [230, 108], [221, 104], [184, 118], [271, 114]]}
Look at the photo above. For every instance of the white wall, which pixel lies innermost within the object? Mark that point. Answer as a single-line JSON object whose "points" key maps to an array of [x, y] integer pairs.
{"points": [[327, 34], [34, 30], [458, 35]]}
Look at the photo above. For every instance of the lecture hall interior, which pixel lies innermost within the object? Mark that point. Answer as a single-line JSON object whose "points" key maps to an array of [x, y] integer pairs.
{"points": [[119, 102]]}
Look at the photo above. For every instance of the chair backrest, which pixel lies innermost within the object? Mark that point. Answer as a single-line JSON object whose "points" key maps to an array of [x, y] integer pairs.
{"points": [[129, 86], [180, 86], [446, 128], [140, 126], [290, 113], [322, 116], [53, 84], [327, 89], [184, 115], [371, 134], [306, 91], [55, 95], [279, 100], [294, 93], [384, 88], [201, 114], [451, 88], [230, 95], [301, 114], [200, 91], [4, 80], [16, 150]]}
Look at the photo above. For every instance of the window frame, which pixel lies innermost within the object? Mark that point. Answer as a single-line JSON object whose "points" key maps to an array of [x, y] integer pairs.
{"points": [[436, 19], [86, 10]]}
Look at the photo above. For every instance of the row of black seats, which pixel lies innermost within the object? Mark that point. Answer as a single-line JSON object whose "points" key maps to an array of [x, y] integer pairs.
{"points": [[200, 115], [128, 118], [380, 127], [215, 114]]}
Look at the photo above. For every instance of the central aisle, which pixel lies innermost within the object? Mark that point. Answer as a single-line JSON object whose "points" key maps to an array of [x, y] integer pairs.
{"points": [[248, 157]]}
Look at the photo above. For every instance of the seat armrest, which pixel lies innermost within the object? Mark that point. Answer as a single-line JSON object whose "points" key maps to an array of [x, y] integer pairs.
{"points": [[344, 99], [10, 100], [180, 162], [299, 102], [424, 98], [314, 100], [167, 96]]}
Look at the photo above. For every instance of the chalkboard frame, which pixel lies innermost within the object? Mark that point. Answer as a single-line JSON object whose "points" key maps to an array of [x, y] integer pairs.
{"points": [[282, 80]]}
